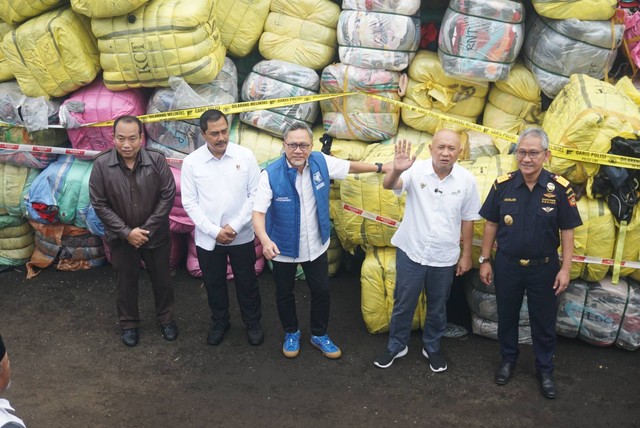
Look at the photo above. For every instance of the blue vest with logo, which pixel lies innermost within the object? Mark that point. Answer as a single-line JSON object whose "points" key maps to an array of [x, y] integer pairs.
{"points": [[283, 216]]}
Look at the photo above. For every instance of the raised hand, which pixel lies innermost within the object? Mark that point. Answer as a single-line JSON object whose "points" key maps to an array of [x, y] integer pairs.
{"points": [[402, 159]]}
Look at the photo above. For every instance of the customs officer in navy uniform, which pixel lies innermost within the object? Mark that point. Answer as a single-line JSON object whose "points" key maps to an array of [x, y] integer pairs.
{"points": [[530, 213]]}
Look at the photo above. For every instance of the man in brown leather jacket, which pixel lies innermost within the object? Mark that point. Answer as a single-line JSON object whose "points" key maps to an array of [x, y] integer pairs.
{"points": [[132, 191]]}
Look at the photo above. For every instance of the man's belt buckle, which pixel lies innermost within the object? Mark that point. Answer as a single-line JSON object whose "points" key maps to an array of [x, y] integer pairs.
{"points": [[524, 262]]}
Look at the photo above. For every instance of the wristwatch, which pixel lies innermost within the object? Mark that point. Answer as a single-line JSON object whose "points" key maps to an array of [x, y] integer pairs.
{"points": [[483, 259], [379, 165]]}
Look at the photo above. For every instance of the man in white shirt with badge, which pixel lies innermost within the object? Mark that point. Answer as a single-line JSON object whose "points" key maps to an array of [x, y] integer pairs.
{"points": [[442, 203], [218, 182]]}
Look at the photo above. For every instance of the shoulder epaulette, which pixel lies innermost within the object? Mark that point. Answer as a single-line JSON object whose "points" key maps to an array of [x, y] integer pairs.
{"points": [[560, 180], [503, 178]]}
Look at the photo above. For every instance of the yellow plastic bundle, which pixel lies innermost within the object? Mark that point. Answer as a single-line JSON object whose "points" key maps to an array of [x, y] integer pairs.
{"points": [[430, 88], [265, 147], [5, 69], [378, 281], [241, 23], [160, 39], [631, 250], [586, 115], [16, 241], [593, 238], [17, 11], [514, 104], [302, 32], [486, 169], [53, 54], [334, 253], [589, 10], [105, 9]]}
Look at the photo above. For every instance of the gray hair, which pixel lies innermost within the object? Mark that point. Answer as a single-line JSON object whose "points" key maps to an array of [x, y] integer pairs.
{"points": [[298, 125], [535, 132]]}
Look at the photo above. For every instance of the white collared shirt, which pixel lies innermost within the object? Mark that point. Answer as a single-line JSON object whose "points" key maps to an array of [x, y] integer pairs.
{"points": [[216, 192], [430, 230], [311, 246]]}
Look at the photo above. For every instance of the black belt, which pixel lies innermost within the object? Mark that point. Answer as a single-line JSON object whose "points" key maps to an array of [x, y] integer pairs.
{"points": [[527, 262]]}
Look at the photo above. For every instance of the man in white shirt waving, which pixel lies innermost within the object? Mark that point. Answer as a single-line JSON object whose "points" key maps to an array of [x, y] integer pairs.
{"points": [[442, 203], [291, 218], [218, 186]]}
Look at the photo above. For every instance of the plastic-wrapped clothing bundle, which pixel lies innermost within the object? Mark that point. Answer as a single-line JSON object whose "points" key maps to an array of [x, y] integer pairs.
{"points": [[302, 32], [15, 182], [105, 9], [280, 79], [264, 146], [241, 23], [162, 38], [513, 105], [97, 103], [178, 138], [379, 33], [481, 39], [73, 247], [430, 88], [16, 241], [586, 115], [193, 265], [378, 281], [5, 69], [489, 329], [593, 238], [556, 49], [359, 117], [601, 313], [17, 11], [53, 54], [592, 10]]}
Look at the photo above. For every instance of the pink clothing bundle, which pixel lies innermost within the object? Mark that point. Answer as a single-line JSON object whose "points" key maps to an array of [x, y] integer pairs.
{"points": [[96, 103], [193, 267], [632, 36]]}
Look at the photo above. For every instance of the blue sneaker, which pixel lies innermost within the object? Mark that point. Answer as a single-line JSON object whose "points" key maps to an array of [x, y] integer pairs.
{"points": [[326, 346], [291, 346]]}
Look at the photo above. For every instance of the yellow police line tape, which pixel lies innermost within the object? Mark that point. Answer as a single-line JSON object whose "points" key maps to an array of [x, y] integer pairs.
{"points": [[241, 107]]}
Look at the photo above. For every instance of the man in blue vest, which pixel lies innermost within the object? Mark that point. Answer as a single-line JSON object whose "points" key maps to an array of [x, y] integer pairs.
{"points": [[291, 219]]}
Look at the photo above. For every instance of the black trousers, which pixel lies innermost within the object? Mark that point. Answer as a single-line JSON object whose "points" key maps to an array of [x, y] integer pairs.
{"points": [[512, 280], [213, 265], [317, 275], [126, 262]]}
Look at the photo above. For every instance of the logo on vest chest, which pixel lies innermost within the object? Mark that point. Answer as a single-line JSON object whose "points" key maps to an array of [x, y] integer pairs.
{"points": [[317, 180]]}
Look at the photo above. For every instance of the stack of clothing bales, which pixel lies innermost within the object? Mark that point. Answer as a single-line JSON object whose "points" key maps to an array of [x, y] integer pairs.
{"points": [[241, 23]]}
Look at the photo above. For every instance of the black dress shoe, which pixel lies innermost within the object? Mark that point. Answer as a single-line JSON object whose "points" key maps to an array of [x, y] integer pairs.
{"points": [[169, 331], [130, 337], [255, 336], [216, 333], [547, 385], [504, 372]]}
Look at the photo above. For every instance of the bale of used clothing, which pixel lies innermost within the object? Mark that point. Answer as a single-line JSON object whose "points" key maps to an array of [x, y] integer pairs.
{"points": [[73, 248], [178, 138], [430, 88], [481, 39], [180, 225], [334, 253], [485, 305], [601, 313], [631, 36], [631, 249], [378, 281], [53, 54], [359, 117], [17, 11], [5, 69], [556, 49], [61, 193], [590, 10], [586, 115], [97, 103], [241, 23], [489, 329], [379, 33], [16, 241], [302, 32], [105, 9], [593, 238], [15, 182], [30, 118], [264, 146], [513, 105], [280, 79], [193, 265], [161, 38]]}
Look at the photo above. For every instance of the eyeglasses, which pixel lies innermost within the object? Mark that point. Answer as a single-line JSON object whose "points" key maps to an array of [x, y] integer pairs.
{"points": [[302, 146], [521, 154]]}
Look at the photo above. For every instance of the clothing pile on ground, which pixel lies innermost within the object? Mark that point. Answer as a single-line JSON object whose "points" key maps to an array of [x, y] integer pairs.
{"points": [[64, 66]]}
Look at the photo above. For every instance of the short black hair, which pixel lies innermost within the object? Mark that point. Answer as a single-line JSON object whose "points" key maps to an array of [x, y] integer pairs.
{"points": [[212, 115], [128, 119], [296, 126]]}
